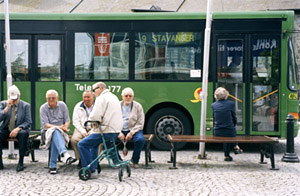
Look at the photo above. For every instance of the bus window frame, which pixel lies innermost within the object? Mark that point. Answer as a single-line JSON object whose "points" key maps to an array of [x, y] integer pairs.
{"points": [[291, 65]]}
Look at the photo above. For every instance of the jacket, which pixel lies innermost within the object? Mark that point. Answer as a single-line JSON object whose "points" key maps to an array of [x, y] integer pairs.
{"points": [[224, 118], [107, 110], [79, 117], [136, 117], [23, 116]]}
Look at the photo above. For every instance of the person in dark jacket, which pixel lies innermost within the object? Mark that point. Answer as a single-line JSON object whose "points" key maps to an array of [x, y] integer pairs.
{"points": [[224, 119], [15, 121]]}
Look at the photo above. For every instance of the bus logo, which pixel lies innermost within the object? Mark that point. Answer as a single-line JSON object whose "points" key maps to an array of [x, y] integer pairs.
{"points": [[197, 95], [293, 96]]}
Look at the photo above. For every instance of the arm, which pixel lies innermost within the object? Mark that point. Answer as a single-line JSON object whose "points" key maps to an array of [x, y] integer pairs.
{"points": [[77, 120], [27, 118], [5, 106], [139, 125]]}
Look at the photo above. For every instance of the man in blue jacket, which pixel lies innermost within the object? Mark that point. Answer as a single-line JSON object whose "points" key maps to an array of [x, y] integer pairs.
{"points": [[15, 121]]}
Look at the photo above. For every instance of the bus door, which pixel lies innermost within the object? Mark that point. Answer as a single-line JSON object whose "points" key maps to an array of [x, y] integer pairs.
{"points": [[265, 82], [248, 67], [47, 68], [230, 73], [36, 68]]}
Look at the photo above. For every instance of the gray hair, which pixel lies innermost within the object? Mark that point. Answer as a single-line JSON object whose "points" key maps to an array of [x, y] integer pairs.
{"points": [[52, 91], [88, 91], [100, 85], [221, 93], [127, 90]]}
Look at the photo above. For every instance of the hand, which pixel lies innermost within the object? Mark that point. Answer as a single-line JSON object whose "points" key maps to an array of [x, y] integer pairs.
{"points": [[8, 105], [85, 134], [121, 136], [14, 132], [128, 136]]}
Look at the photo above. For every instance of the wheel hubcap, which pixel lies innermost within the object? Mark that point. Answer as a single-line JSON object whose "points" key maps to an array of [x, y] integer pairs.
{"points": [[168, 125]]}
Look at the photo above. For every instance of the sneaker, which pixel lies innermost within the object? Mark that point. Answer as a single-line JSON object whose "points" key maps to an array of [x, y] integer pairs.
{"points": [[52, 171], [94, 175], [70, 160]]}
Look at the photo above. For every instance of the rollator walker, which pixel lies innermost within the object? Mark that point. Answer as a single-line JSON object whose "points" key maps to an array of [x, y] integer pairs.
{"points": [[110, 153]]}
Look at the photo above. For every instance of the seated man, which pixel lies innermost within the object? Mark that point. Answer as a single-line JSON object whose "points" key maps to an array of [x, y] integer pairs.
{"points": [[107, 111], [81, 114], [133, 119], [54, 116], [15, 118]]}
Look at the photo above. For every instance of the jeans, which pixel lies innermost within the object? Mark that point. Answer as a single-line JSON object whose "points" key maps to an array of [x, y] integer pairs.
{"points": [[57, 147], [138, 144], [88, 148]]}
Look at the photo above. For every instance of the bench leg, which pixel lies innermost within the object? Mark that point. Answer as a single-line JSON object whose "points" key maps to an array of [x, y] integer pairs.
{"points": [[262, 154], [30, 149], [272, 158], [173, 156], [147, 156]]}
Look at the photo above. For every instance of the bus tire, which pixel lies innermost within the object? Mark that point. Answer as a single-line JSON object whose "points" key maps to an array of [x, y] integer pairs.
{"points": [[167, 121]]}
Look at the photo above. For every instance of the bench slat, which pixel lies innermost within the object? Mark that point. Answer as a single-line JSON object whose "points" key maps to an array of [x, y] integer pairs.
{"points": [[217, 139]]}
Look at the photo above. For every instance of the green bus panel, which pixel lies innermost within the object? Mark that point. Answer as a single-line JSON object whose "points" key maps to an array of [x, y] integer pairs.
{"points": [[149, 94], [40, 96]]}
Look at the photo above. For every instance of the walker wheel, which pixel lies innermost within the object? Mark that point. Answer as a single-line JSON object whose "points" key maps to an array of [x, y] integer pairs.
{"points": [[85, 176], [120, 174], [99, 168], [128, 170]]}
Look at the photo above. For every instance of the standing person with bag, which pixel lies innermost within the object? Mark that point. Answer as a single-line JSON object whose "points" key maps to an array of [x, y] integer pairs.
{"points": [[224, 119]]}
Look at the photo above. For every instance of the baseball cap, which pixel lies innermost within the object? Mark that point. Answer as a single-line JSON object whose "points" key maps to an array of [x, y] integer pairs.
{"points": [[13, 92]]}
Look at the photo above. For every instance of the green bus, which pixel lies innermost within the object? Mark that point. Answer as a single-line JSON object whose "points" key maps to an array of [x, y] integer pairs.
{"points": [[160, 56]]}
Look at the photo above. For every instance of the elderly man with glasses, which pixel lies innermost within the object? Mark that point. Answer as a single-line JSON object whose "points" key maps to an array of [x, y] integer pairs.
{"points": [[133, 118], [54, 116], [107, 111], [15, 121]]}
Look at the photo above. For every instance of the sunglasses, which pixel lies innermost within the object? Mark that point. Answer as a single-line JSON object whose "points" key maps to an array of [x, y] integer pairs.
{"points": [[95, 89], [51, 98], [127, 95]]}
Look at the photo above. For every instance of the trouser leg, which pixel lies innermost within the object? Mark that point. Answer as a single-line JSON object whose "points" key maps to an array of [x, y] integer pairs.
{"points": [[226, 148], [57, 147], [4, 134], [84, 147], [77, 136], [22, 142], [138, 142]]}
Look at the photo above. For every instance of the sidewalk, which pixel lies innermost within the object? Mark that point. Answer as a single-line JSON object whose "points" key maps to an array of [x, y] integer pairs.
{"points": [[243, 176]]}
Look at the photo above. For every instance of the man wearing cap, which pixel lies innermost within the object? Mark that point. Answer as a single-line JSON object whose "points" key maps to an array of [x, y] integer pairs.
{"points": [[15, 120]]}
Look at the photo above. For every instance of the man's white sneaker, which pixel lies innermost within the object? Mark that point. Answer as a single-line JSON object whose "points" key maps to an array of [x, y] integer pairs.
{"points": [[94, 175]]}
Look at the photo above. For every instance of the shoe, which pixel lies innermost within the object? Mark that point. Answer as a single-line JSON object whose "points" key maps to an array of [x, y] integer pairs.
{"points": [[79, 165], [70, 160], [134, 165], [94, 175], [229, 158], [238, 151], [52, 171], [20, 167]]}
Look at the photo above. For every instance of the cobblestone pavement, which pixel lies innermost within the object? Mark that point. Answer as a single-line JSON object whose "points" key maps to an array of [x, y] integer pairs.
{"points": [[243, 176]]}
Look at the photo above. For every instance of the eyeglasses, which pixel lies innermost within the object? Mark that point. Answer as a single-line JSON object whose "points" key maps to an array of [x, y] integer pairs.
{"points": [[127, 95], [95, 89], [51, 98]]}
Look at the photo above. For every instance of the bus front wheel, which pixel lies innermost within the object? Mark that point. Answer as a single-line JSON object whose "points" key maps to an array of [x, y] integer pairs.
{"points": [[168, 121]]}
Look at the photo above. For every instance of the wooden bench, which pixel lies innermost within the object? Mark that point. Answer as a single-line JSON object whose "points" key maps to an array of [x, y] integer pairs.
{"points": [[266, 144], [30, 145]]}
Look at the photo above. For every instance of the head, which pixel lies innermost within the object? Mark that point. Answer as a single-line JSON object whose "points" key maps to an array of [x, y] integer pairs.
{"points": [[98, 88], [127, 95], [88, 98], [221, 94], [14, 94], [52, 98]]}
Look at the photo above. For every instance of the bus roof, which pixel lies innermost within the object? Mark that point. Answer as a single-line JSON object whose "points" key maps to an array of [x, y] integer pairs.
{"points": [[149, 15]]}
